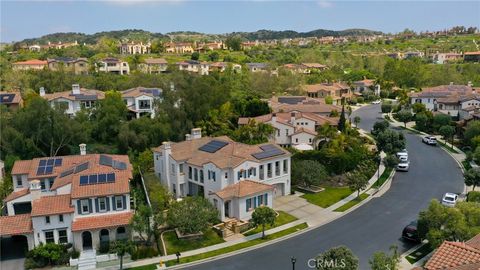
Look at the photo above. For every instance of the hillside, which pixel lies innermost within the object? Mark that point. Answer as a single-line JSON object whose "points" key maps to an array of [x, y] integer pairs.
{"points": [[141, 35]]}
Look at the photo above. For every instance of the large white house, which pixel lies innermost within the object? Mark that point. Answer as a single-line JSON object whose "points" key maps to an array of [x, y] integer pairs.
{"points": [[141, 100], [80, 199], [113, 65], [74, 100], [235, 177]]}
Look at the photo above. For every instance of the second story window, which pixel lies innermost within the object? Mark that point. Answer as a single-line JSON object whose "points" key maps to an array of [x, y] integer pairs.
{"points": [[119, 202], [19, 181], [269, 170], [85, 207], [102, 204], [180, 168], [42, 185], [277, 168], [195, 174], [201, 176], [60, 218], [189, 172], [285, 166], [261, 172], [47, 219]]}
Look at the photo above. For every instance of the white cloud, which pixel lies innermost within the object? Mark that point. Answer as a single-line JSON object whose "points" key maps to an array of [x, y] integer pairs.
{"points": [[324, 4]]}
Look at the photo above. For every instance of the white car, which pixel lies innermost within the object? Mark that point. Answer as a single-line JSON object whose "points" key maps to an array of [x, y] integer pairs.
{"points": [[376, 101], [430, 140], [402, 156], [449, 199], [403, 166]]}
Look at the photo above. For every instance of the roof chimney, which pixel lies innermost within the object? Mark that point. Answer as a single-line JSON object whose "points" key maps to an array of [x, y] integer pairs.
{"points": [[470, 84], [188, 137], [83, 149], [42, 91], [35, 189], [166, 145], [451, 83], [274, 117], [196, 133], [292, 118], [76, 89]]}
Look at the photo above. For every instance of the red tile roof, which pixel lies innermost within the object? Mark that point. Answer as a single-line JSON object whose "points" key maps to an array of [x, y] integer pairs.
{"points": [[242, 189], [451, 255], [31, 62], [15, 225], [21, 167], [16, 194], [101, 221], [52, 205]]}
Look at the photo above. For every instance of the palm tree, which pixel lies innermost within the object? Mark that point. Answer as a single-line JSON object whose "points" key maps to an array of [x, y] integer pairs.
{"points": [[326, 132]]}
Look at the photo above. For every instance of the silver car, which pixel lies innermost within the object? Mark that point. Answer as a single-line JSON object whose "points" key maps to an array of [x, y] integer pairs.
{"points": [[403, 166], [449, 199]]}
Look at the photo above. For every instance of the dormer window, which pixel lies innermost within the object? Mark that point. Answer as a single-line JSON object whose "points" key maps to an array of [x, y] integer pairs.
{"points": [[19, 181]]}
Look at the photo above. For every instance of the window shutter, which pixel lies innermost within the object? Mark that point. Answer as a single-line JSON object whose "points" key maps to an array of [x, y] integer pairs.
{"points": [[113, 203], [79, 207], [107, 201], [124, 198], [266, 199], [97, 208], [90, 208]]}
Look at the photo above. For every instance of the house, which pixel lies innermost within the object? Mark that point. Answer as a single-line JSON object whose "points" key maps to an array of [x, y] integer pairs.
{"points": [[221, 66], [141, 101], [135, 48], [314, 67], [35, 48], [34, 64], [74, 100], [80, 199], [194, 66], [154, 65], [60, 45], [257, 67], [452, 255], [11, 100], [408, 55], [337, 91], [471, 56], [235, 177], [302, 104], [113, 65], [366, 85], [296, 129], [442, 58], [210, 46], [75, 65], [448, 99], [179, 48]]}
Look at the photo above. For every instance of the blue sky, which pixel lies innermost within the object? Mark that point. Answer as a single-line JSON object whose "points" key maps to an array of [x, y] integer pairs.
{"points": [[27, 19]]}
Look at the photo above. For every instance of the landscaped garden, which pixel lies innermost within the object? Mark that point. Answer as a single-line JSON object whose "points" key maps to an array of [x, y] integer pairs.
{"points": [[173, 244], [281, 219]]}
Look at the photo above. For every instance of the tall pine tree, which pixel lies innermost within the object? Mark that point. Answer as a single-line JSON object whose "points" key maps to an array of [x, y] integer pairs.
{"points": [[341, 122]]}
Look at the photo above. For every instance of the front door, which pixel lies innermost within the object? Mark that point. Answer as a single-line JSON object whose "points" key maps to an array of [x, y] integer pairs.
{"points": [[86, 240], [227, 209]]}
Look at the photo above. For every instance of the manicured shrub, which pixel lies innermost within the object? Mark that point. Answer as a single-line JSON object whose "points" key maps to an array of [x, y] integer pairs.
{"points": [[142, 252], [473, 196]]}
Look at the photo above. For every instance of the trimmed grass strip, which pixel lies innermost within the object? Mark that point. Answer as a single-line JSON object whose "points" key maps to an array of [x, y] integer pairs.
{"points": [[173, 244], [351, 203], [386, 173], [329, 196], [419, 253]]}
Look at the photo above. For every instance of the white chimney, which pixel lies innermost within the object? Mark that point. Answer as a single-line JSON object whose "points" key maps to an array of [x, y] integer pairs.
{"points": [[292, 118], [451, 83], [35, 189], [76, 89], [196, 133], [42, 91], [83, 149], [188, 137], [274, 117]]}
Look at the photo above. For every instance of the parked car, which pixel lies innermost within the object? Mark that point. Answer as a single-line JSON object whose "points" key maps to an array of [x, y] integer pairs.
{"points": [[449, 199], [410, 232], [403, 166], [376, 101], [402, 155], [430, 140]]}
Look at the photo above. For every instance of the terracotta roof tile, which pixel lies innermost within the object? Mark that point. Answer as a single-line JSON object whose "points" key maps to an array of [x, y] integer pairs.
{"points": [[92, 93], [474, 242], [31, 62], [242, 189], [21, 167], [52, 205], [15, 225], [16, 194], [453, 254], [155, 61], [139, 91], [101, 221]]}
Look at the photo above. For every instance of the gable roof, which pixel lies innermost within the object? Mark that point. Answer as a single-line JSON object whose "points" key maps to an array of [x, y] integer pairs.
{"points": [[101, 221], [328, 87], [142, 91], [155, 61], [31, 62], [52, 205], [85, 94], [242, 189], [451, 255], [16, 194], [15, 225], [10, 97]]}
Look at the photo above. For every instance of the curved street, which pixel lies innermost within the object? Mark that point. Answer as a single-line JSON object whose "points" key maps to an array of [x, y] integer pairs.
{"points": [[374, 226]]}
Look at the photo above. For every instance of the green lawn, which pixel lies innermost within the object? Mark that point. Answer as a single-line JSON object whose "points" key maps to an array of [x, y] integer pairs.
{"points": [[351, 203], [282, 218], [328, 197], [448, 147], [419, 253], [382, 178], [173, 244]]}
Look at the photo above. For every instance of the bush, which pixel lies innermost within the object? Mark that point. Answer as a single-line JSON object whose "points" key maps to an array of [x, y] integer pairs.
{"points": [[386, 108], [390, 161], [142, 252], [49, 254], [473, 196], [360, 100], [74, 254], [104, 247]]}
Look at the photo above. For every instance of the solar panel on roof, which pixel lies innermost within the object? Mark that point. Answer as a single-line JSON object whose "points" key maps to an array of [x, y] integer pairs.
{"points": [[213, 146], [81, 167], [41, 170], [58, 162], [119, 165], [92, 179], [43, 162], [67, 173], [102, 178], [84, 180], [48, 170], [50, 162], [6, 98], [105, 160], [110, 177], [269, 150]]}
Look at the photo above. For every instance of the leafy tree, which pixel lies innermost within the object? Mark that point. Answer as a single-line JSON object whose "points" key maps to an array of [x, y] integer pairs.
{"points": [[108, 116], [441, 120], [386, 108], [122, 247], [390, 161], [263, 216], [46, 254], [383, 261], [447, 132], [357, 181], [472, 177], [195, 56], [421, 121], [472, 130], [324, 133], [473, 196], [213, 56], [390, 141], [356, 120], [192, 215], [379, 127], [308, 172], [253, 132], [140, 223], [342, 121], [439, 223], [234, 43], [419, 108], [329, 100], [219, 121], [337, 258], [404, 116]]}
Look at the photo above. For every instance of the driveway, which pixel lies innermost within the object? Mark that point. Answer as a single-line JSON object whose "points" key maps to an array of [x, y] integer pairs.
{"points": [[374, 226]]}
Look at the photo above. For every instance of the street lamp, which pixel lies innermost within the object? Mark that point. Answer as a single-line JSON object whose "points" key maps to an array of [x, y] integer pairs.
{"points": [[178, 254], [293, 260]]}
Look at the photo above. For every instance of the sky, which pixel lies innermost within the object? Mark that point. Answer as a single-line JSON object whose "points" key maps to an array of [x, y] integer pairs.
{"points": [[28, 19]]}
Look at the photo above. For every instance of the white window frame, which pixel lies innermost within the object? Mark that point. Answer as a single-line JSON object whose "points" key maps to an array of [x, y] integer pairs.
{"points": [[53, 236], [104, 200], [119, 199], [19, 180], [61, 218], [47, 220], [60, 237], [83, 203]]}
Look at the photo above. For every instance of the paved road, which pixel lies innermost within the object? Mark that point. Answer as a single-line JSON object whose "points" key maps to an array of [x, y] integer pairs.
{"points": [[376, 225]]}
